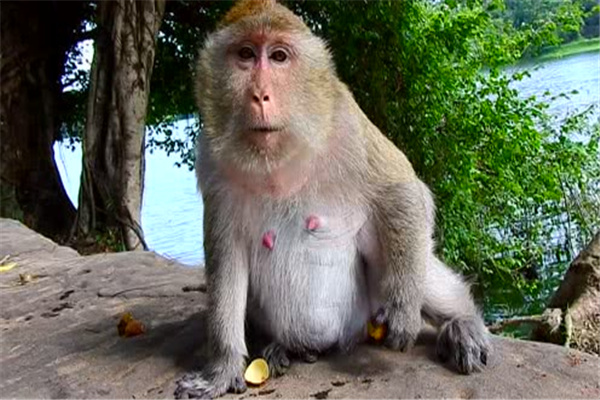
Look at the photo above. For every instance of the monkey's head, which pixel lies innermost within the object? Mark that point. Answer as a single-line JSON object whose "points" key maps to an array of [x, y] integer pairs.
{"points": [[265, 88]]}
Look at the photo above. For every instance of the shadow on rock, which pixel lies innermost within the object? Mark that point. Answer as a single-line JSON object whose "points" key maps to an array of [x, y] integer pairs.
{"points": [[373, 360], [181, 340]]}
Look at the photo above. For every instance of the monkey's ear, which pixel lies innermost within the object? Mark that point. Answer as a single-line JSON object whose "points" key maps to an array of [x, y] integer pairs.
{"points": [[245, 8]]}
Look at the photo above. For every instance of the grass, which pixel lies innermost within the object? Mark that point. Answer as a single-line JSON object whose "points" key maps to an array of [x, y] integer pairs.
{"points": [[569, 49]]}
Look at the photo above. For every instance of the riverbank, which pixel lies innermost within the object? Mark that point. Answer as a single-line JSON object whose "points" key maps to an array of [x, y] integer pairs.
{"points": [[570, 49]]}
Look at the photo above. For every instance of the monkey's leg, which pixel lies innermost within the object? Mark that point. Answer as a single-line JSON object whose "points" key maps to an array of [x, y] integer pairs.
{"points": [[404, 234], [309, 356], [277, 356], [463, 338], [227, 278], [260, 344]]}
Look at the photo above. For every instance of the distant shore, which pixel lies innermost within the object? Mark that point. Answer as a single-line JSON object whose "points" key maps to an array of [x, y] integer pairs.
{"points": [[569, 49]]}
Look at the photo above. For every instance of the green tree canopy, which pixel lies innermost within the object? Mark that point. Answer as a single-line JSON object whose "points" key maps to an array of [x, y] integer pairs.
{"points": [[516, 189]]}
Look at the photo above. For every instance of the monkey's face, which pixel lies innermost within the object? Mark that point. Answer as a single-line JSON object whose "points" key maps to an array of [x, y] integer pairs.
{"points": [[261, 73], [265, 95]]}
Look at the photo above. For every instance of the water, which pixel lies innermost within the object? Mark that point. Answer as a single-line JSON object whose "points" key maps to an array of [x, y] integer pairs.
{"points": [[580, 72], [172, 207]]}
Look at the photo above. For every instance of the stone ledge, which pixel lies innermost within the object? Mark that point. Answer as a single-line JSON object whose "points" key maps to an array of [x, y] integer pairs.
{"points": [[59, 339]]}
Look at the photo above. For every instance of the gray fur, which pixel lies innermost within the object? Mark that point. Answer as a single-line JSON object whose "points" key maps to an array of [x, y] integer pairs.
{"points": [[215, 379], [277, 358], [463, 342]]}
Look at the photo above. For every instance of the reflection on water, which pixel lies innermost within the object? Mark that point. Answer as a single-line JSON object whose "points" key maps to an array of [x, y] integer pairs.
{"points": [[172, 208]]}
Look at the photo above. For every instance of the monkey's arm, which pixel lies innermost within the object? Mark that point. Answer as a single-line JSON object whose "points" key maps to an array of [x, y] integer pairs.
{"points": [[227, 286], [227, 282]]}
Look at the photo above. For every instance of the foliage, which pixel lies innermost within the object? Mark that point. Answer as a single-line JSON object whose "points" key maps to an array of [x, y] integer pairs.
{"points": [[552, 22], [564, 17], [577, 47], [516, 189], [184, 26], [75, 78], [74, 96], [591, 23], [165, 136]]}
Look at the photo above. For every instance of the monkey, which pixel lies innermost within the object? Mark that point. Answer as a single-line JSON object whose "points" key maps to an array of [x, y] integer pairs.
{"points": [[314, 221]]}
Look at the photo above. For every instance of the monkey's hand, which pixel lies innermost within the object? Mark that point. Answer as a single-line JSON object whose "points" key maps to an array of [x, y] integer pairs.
{"points": [[403, 324], [214, 382]]}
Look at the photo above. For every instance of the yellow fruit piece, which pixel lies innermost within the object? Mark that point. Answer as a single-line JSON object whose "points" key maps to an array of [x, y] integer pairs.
{"points": [[7, 266], [376, 332], [257, 372]]}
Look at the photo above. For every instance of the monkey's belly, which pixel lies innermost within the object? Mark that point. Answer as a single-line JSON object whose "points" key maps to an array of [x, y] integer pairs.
{"points": [[309, 291]]}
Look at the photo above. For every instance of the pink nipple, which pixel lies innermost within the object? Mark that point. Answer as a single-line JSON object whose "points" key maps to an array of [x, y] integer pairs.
{"points": [[268, 239], [312, 223]]}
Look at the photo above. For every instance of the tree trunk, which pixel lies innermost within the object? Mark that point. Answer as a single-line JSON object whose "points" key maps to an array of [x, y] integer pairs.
{"points": [[35, 39], [112, 181], [576, 304]]}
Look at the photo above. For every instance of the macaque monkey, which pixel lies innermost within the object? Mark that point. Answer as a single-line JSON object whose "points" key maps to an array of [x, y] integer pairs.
{"points": [[314, 221]]}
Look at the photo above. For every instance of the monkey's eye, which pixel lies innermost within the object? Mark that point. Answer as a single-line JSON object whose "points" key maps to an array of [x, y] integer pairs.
{"points": [[246, 53], [279, 56]]}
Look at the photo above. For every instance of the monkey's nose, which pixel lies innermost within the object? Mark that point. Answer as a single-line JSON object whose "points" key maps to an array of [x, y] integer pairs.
{"points": [[261, 99], [261, 103]]}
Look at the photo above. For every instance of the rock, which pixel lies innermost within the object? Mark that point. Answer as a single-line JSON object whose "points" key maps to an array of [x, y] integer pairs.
{"points": [[576, 304], [59, 339]]}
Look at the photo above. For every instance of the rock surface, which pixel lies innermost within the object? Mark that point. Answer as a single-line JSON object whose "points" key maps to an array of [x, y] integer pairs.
{"points": [[59, 339]]}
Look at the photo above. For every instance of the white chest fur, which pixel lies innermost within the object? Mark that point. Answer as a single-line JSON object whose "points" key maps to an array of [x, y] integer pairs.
{"points": [[307, 281]]}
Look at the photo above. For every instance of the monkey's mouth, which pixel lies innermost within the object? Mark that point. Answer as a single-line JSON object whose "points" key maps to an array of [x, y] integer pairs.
{"points": [[266, 129], [265, 138]]}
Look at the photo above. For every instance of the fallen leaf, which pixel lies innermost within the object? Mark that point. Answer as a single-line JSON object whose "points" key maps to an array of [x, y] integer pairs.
{"points": [[27, 278], [129, 326], [574, 359], [257, 372]]}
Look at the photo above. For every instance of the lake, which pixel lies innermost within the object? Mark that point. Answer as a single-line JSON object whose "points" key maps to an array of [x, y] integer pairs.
{"points": [[172, 207]]}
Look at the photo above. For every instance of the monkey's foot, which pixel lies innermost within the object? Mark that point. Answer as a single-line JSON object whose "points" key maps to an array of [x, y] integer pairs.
{"points": [[309, 356], [464, 341], [277, 358], [403, 326], [196, 385]]}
